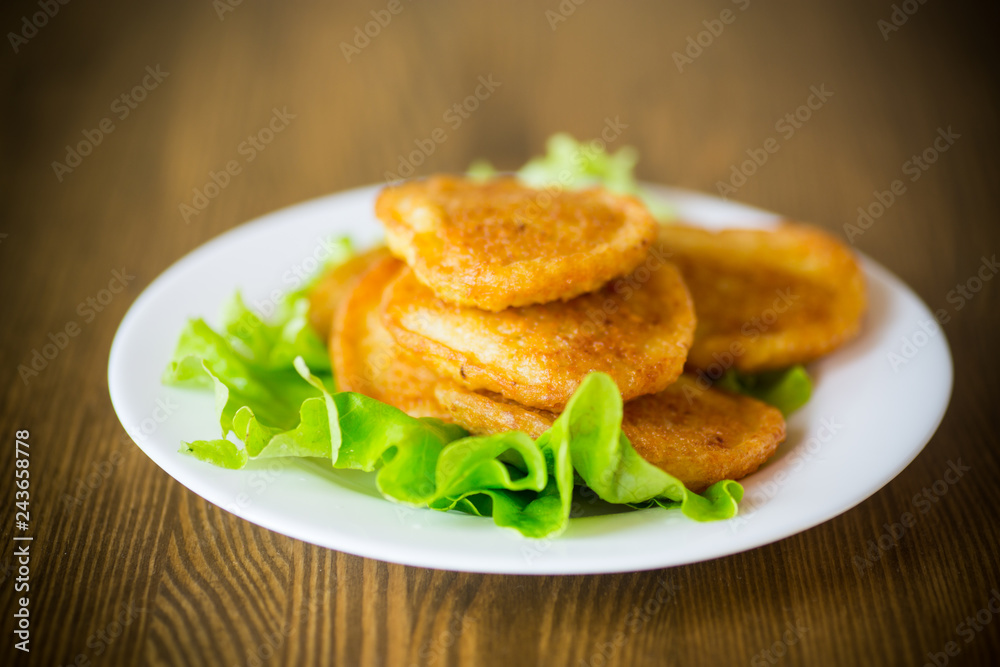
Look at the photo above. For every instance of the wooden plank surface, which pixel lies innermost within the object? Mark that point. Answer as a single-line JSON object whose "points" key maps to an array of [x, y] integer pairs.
{"points": [[128, 567]]}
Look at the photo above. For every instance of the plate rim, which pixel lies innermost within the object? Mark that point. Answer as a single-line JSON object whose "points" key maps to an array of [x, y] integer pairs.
{"points": [[376, 548]]}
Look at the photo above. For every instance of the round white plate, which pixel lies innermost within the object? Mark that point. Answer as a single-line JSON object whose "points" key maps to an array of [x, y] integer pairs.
{"points": [[870, 415]]}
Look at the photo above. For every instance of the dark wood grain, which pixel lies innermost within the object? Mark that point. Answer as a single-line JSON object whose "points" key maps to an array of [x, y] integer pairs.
{"points": [[116, 537]]}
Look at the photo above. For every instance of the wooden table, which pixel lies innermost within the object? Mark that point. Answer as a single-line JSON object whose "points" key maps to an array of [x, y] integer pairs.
{"points": [[128, 567]]}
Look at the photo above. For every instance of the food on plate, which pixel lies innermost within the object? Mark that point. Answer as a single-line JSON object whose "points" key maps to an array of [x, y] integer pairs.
{"points": [[524, 336], [332, 286], [500, 243], [365, 357], [636, 329], [766, 299], [698, 435]]}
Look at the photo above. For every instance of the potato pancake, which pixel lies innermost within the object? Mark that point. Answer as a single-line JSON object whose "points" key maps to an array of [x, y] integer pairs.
{"points": [[766, 299], [334, 285], [698, 435], [636, 329], [365, 357], [500, 243]]}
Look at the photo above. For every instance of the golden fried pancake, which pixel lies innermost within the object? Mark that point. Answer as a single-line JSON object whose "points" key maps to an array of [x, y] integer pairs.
{"points": [[334, 285], [636, 329], [365, 357], [766, 299], [485, 412], [703, 435], [698, 435], [499, 243]]}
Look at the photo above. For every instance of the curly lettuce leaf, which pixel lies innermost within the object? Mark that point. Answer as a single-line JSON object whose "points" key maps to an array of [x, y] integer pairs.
{"points": [[606, 461], [272, 401], [574, 165], [332, 252], [788, 389]]}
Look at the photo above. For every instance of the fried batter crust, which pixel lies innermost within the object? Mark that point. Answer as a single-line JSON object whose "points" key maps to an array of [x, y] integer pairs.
{"points": [[637, 329], [500, 243], [698, 434], [334, 285], [767, 299], [365, 357]]}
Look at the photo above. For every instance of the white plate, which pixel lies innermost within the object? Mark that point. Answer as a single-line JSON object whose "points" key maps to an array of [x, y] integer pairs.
{"points": [[865, 423]]}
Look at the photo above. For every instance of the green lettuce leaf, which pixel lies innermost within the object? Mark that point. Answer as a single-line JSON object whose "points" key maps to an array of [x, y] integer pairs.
{"points": [[275, 397], [573, 164], [337, 250], [788, 389], [608, 464]]}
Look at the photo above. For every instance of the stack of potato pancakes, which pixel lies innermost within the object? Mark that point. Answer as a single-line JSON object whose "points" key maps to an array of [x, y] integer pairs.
{"points": [[494, 300]]}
